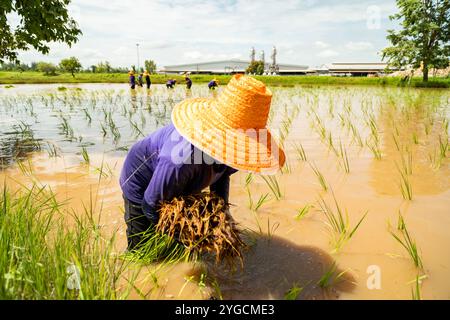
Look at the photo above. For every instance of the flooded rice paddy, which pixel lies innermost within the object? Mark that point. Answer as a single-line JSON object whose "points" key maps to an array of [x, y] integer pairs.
{"points": [[327, 226]]}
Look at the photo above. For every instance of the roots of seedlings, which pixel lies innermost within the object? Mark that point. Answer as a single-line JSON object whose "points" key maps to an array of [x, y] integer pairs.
{"points": [[203, 224]]}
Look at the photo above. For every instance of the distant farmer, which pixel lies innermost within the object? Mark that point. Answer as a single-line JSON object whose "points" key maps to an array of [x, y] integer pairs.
{"points": [[170, 83], [188, 81], [148, 82], [187, 155], [213, 84], [132, 79], [140, 82]]}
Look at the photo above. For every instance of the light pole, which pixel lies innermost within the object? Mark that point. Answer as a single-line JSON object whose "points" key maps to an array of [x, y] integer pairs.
{"points": [[137, 50]]}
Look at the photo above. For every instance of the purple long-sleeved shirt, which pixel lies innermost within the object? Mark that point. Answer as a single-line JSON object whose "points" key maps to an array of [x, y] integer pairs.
{"points": [[162, 166]]}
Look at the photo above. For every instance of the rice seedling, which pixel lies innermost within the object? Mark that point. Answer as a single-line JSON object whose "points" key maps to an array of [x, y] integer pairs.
{"points": [[374, 146], [273, 185], [415, 138], [87, 115], [293, 293], [405, 185], [443, 147], [300, 151], [416, 289], [271, 228], [330, 277], [407, 242], [356, 136], [53, 150], [338, 222], [320, 177], [42, 257], [261, 201], [302, 212], [397, 144], [344, 158], [248, 179], [26, 167], [85, 155]]}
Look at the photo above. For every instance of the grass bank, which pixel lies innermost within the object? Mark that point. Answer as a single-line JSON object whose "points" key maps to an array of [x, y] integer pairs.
{"points": [[7, 77]]}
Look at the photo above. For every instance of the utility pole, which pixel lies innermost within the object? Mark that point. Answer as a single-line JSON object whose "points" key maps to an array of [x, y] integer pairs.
{"points": [[137, 50]]}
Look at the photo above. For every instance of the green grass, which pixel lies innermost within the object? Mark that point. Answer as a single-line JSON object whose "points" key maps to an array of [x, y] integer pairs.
{"points": [[15, 77], [44, 257]]}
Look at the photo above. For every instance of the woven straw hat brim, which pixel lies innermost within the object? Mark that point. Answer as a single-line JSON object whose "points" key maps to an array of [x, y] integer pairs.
{"points": [[200, 123]]}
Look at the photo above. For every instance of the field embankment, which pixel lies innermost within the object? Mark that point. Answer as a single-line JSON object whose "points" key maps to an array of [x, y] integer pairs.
{"points": [[8, 77]]}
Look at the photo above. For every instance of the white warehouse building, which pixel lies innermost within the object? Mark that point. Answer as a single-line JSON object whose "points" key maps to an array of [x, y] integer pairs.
{"points": [[229, 67]]}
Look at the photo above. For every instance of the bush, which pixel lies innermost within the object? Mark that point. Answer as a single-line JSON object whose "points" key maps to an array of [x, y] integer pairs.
{"points": [[47, 68]]}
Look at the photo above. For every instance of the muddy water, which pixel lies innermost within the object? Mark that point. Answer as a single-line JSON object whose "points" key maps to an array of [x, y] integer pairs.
{"points": [[384, 132]]}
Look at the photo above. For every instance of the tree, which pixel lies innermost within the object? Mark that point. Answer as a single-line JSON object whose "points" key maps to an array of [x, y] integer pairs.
{"points": [[424, 39], [255, 67], [47, 68], [71, 65], [39, 22], [150, 66], [103, 67]]}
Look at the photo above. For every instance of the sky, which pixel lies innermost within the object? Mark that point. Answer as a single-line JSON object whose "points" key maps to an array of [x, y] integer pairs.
{"points": [[305, 32]]}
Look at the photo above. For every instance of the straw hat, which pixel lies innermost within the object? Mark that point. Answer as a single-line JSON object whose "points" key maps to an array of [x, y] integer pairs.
{"points": [[232, 128]]}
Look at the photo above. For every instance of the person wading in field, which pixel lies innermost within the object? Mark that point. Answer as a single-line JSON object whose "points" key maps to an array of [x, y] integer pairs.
{"points": [[212, 85], [170, 83], [148, 82], [188, 82], [141, 84], [132, 79], [207, 141]]}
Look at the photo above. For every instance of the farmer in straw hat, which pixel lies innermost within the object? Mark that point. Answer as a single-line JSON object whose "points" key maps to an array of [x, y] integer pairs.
{"points": [[207, 141], [213, 84]]}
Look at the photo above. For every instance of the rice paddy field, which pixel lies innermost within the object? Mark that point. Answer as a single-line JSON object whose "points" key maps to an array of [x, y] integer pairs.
{"points": [[359, 211]]}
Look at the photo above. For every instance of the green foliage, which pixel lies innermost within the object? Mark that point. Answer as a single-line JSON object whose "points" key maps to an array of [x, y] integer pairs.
{"points": [[256, 67], [103, 67], [47, 68], [424, 37], [70, 65], [40, 22], [150, 66]]}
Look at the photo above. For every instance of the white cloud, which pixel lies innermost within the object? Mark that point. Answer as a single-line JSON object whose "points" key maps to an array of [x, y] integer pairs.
{"points": [[321, 44], [328, 53], [359, 46], [206, 56], [179, 31]]}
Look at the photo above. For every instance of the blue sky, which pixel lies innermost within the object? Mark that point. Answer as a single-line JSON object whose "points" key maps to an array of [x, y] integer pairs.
{"points": [[307, 32]]}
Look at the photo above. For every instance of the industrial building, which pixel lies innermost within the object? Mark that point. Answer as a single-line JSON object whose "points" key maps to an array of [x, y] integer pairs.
{"points": [[357, 69], [230, 67]]}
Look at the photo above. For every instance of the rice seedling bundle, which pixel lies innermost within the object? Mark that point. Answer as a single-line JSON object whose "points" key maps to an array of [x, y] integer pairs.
{"points": [[202, 223]]}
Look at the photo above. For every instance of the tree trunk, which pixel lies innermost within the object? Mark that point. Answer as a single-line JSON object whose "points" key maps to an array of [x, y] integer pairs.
{"points": [[425, 72], [73, 75]]}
